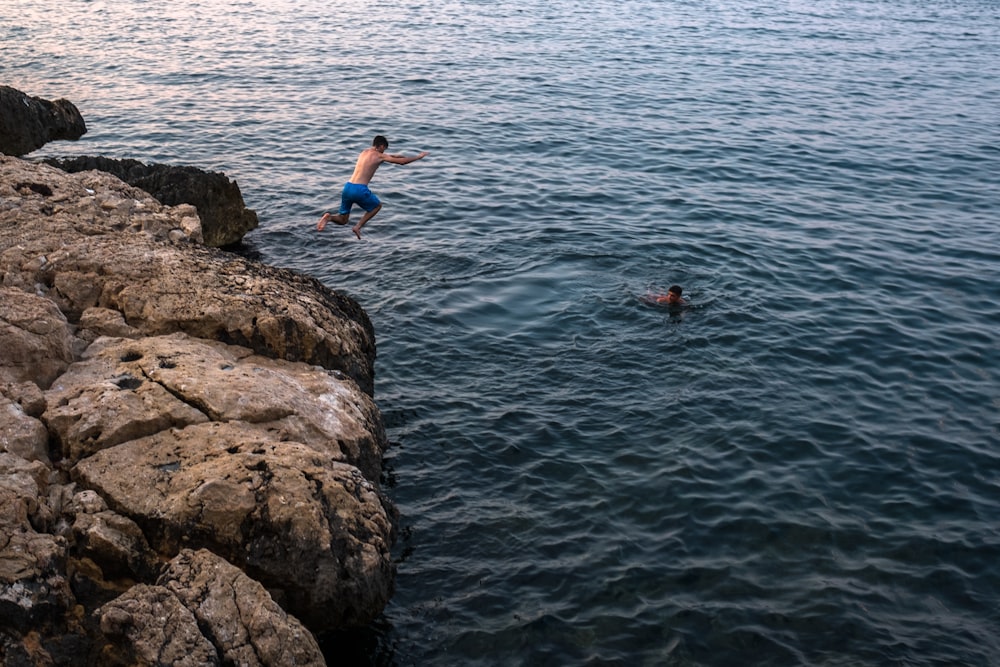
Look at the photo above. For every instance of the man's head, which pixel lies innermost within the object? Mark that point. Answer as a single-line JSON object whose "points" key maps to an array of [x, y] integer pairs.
{"points": [[674, 294], [380, 142]]}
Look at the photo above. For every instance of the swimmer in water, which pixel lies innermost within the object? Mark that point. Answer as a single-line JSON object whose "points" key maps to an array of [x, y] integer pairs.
{"points": [[672, 297]]}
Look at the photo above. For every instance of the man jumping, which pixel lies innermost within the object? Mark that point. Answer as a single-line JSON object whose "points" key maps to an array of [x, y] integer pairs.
{"points": [[356, 190]]}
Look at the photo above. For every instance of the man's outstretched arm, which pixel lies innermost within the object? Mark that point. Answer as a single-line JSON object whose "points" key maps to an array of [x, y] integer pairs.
{"points": [[403, 159]]}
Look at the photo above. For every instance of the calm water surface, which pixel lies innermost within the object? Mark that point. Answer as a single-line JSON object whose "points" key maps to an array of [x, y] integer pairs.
{"points": [[801, 468]]}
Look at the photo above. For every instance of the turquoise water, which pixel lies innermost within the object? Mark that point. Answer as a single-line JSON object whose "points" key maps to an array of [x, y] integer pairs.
{"points": [[801, 468]]}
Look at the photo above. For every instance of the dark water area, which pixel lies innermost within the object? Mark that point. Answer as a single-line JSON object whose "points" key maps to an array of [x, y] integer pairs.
{"points": [[801, 467]]}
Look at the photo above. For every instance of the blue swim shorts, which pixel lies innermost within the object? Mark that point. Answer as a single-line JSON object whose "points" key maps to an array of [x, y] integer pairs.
{"points": [[355, 193]]}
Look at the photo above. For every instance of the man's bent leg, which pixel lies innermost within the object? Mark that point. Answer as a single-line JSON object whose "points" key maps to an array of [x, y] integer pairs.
{"points": [[340, 219], [367, 216]]}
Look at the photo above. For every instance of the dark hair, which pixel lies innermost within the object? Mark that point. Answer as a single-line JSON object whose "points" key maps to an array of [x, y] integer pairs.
{"points": [[379, 140], [675, 289]]}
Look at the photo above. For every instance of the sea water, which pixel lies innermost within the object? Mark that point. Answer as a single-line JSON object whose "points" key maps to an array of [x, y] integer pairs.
{"points": [[802, 467]]}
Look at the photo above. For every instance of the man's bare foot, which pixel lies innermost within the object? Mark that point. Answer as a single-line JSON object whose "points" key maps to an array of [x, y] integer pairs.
{"points": [[322, 221], [357, 231]]}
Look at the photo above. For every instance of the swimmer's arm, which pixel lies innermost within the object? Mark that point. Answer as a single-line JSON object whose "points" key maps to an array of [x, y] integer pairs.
{"points": [[402, 159], [665, 298]]}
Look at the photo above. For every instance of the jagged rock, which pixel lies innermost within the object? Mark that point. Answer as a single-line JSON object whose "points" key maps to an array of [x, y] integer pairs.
{"points": [[124, 389], [225, 219], [112, 542], [28, 123], [237, 614], [96, 322], [81, 262], [203, 611], [312, 530], [106, 400], [28, 395], [38, 199], [148, 625], [21, 431], [35, 338], [21, 434], [34, 590]]}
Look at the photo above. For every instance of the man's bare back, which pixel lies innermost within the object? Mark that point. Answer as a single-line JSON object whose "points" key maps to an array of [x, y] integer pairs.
{"points": [[368, 162]]}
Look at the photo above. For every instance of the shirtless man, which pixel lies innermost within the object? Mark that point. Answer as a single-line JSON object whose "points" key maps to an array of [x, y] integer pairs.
{"points": [[356, 190], [672, 297]]}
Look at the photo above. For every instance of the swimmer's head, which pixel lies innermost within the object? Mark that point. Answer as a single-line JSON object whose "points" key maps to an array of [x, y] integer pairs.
{"points": [[380, 142], [674, 294]]}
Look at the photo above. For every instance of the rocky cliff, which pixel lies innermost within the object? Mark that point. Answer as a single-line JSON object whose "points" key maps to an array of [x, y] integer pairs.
{"points": [[225, 220], [28, 123], [190, 458]]}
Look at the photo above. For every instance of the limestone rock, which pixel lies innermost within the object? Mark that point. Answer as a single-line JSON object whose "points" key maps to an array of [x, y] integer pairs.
{"points": [[105, 322], [237, 614], [114, 543], [22, 434], [27, 395], [225, 219], [79, 259], [148, 625], [157, 396], [34, 591], [41, 200], [312, 530], [106, 399], [35, 338], [28, 123], [124, 389]]}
